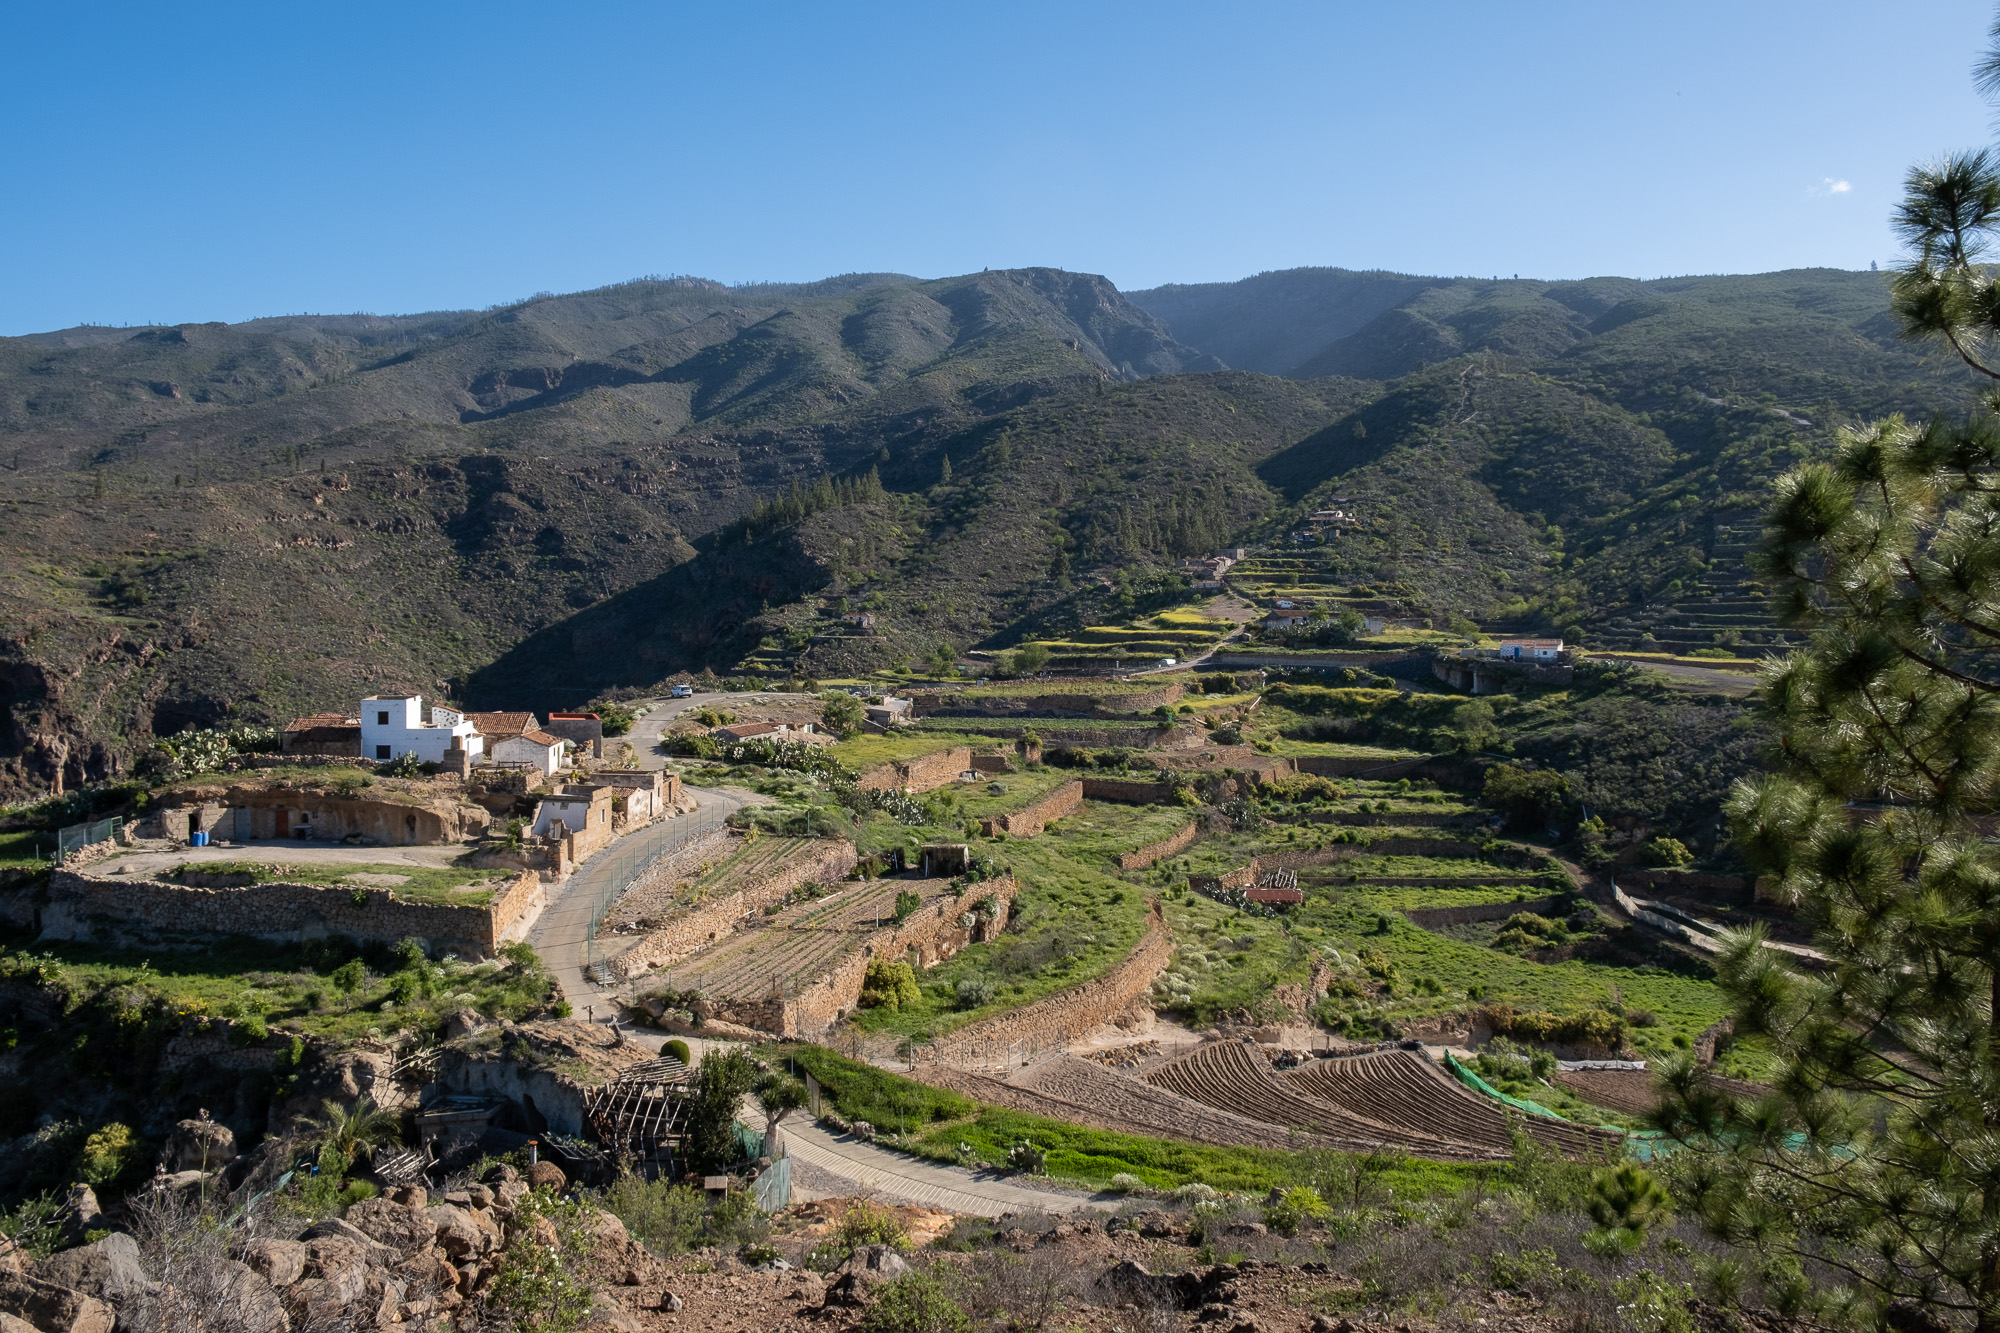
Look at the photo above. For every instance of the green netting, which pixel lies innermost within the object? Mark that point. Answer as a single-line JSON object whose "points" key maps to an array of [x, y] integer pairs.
{"points": [[1478, 1084], [1640, 1143]]}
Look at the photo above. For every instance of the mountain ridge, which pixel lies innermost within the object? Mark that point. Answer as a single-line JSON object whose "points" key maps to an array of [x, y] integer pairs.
{"points": [[536, 502]]}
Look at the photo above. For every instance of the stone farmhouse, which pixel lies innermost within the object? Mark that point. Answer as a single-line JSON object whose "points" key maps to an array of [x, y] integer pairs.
{"points": [[1536, 650], [517, 739], [583, 730], [581, 813], [336, 735]]}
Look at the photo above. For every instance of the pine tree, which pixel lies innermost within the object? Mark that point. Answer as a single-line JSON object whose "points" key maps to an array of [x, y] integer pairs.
{"points": [[1883, 1128]]}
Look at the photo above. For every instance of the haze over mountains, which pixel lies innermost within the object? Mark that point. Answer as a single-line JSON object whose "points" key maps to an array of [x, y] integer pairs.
{"points": [[538, 502]]}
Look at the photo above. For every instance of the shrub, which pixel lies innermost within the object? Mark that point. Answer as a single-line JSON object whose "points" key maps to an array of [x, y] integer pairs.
{"points": [[915, 1303], [1669, 852], [664, 1217], [972, 992], [678, 1049], [906, 903], [889, 985], [110, 1156], [538, 1286]]}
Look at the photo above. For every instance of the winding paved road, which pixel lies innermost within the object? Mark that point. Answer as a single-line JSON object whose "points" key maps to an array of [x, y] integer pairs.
{"points": [[561, 935]]}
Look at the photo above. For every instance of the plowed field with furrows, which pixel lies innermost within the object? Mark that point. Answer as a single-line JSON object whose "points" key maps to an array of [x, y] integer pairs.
{"points": [[1233, 1076], [1404, 1088], [992, 1092], [1092, 1088]]}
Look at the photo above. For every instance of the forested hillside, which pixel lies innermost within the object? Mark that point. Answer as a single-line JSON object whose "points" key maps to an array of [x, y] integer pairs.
{"points": [[529, 504]]}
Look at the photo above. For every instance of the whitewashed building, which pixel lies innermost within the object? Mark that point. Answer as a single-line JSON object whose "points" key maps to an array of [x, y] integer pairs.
{"points": [[393, 727], [537, 748]]}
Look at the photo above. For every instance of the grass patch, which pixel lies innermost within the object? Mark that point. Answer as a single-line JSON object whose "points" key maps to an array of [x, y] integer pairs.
{"points": [[866, 752], [935, 1122], [431, 885]]}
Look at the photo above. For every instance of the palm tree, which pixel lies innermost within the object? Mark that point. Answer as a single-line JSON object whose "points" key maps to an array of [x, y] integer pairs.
{"points": [[351, 1130]]}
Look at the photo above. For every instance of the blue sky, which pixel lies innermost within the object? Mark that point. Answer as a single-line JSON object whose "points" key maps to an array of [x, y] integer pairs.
{"points": [[207, 161]]}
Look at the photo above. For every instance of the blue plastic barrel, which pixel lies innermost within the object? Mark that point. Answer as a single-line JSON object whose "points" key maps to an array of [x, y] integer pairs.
{"points": [[198, 839]]}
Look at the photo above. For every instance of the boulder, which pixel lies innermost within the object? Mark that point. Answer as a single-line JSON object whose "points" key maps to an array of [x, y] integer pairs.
{"points": [[410, 1196], [458, 1235], [278, 1262], [668, 1302], [875, 1263], [463, 1023], [108, 1269], [607, 1313], [408, 1231], [246, 1301], [198, 1145], [1131, 1283], [509, 1193], [339, 1265], [9, 1324], [53, 1309]]}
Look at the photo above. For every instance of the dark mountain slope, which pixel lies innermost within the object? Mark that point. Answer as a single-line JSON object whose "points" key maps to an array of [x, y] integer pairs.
{"points": [[214, 520]]}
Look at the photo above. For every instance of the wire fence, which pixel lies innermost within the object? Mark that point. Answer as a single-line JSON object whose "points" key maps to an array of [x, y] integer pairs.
{"points": [[616, 870], [78, 836]]}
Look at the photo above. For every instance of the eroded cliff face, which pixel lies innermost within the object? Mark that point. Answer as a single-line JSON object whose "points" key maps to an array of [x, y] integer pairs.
{"points": [[78, 702]]}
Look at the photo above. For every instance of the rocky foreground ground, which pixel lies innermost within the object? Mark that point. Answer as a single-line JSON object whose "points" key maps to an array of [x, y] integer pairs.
{"points": [[427, 1263]]}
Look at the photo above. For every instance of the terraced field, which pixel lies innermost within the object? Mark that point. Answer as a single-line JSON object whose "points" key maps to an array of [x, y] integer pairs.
{"points": [[800, 943], [1233, 1076], [740, 865], [1085, 1085], [1404, 1088]]}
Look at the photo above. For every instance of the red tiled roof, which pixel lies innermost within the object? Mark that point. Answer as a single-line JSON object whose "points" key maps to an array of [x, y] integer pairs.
{"points": [[1531, 643], [1275, 895], [573, 717], [541, 738]]}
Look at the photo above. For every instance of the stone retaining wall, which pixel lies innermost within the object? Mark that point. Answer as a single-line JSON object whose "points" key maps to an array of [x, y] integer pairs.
{"points": [[1379, 819], [1161, 850], [1729, 888], [1069, 1014], [1432, 917], [1337, 766], [1127, 792], [924, 773], [1029, 821], [702, 924], [100, 909]]}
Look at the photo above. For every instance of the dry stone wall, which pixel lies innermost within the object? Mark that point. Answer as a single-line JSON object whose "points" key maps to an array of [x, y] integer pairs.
{"points": [[1069, 1014], [99, 909], [1126, 791], [1029, 821], [1432, 917], [1161, 850], [924, 773], [696, 927]]}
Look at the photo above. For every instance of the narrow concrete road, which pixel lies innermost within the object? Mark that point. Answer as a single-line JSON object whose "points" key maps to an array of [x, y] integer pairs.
{"points": [[894, 1174], [562, 933]]}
